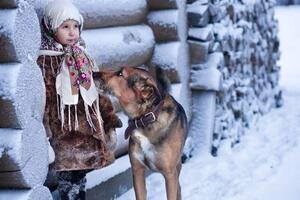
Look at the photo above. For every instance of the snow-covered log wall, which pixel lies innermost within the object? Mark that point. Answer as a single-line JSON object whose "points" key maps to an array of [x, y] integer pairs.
{"points": [[234, 50], [23, 144]]}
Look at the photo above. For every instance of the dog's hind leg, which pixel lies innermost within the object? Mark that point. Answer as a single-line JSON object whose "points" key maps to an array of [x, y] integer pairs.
{"points": [[179, 188], [172, 183]]}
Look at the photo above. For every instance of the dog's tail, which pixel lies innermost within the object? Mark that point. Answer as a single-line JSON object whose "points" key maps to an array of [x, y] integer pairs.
{"points": [[162, 80]]}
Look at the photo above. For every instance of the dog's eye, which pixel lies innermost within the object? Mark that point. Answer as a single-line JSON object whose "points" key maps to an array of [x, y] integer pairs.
{"points": [[119, 73]]}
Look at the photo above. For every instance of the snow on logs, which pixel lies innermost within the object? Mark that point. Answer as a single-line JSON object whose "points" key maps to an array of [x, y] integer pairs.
{"points": [[197, 14], [104, 13], [37, 193], [23, 145], [13, 3], [162, 4], [164, 24], [120, 46], [207, 76], [15, 45], [21, 94], [169, 62], [24, 158]]}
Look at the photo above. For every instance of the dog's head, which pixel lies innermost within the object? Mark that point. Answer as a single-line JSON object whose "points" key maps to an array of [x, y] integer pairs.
{"points": [[136, 89]]}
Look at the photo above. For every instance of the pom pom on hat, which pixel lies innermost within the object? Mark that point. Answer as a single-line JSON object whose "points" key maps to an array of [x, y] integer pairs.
{"points": [[58, 11]]}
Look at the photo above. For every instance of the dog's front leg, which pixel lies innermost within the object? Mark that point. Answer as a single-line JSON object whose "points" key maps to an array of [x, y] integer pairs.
{"points": [[138, 174], [138, 170], [172, 184]]}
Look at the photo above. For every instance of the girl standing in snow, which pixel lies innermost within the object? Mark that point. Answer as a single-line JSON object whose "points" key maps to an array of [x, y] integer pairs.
{"points": [[79, 134]]}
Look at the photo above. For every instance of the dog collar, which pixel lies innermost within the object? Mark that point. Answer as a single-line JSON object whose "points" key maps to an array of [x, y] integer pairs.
{"points": [[143, 121]]}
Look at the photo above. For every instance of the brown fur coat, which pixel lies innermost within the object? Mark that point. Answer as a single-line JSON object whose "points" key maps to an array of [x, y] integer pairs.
{"points": [[80, 149]]}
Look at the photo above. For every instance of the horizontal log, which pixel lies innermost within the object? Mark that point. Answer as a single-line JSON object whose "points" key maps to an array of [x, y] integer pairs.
{"points": [[120, 46], [39, 192], [164, 24], [166, 57], [162, 4], [197, 14], [24, 160], [201, 34], [199, 1], [206, 79], [215, 60], [22, 94], [19, 35], [206, 76], [198, 51], [14, 3], [104, 13]]}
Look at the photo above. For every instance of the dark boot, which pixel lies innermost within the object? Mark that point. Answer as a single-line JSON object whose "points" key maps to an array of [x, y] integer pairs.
{"points": [[81, 195], [71, 185]]}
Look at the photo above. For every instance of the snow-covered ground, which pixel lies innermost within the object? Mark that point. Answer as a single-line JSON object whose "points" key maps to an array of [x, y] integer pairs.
{"points": [[265, 165]]}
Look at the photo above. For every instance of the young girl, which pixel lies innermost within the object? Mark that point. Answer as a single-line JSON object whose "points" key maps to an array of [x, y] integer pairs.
{"points": [[79, 133]]}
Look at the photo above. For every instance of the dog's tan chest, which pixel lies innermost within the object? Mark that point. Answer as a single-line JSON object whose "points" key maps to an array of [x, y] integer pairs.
{"points": [[146, 153]]}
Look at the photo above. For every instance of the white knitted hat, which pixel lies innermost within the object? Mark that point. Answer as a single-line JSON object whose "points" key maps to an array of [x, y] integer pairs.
{"points": [[58, 11]]}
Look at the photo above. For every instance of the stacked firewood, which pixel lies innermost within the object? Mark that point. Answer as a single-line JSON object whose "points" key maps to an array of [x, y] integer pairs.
{"points": [[23, 143], [234, 50]]}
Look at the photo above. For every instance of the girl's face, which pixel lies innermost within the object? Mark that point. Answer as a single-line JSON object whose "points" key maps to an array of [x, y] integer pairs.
{"points": [[68, 32]]}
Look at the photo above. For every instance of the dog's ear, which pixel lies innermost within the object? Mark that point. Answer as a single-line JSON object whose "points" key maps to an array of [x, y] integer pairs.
{"points": [[146, 89]]}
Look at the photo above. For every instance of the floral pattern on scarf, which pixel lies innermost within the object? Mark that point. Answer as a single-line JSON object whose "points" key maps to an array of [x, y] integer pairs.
{"points": [[79, 68]]}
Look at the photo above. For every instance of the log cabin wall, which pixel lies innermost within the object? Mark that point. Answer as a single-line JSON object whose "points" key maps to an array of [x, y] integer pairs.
{"points": [[23, 143]]}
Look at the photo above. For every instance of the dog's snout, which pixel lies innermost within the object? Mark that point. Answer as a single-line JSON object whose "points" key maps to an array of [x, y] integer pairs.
{"points": [[98, 76]]}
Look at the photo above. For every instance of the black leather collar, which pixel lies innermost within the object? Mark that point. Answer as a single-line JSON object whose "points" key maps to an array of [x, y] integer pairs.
{"points": [[143, 121]]}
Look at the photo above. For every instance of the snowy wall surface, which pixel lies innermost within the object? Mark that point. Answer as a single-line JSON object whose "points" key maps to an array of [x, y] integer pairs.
{"points": [[23, 143], [106, 13], [120, 46], [19, 34]]}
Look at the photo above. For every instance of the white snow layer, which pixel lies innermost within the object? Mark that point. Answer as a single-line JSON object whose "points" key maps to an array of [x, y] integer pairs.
{"points": [[17, 82], [103, 13], [166, 55], [131, 45], [101, 175], [25, 156], [163, 18], [17, 46], [10, 145], [37, 193]]}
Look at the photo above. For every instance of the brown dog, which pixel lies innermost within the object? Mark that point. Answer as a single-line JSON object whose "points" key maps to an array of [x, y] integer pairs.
{"points": [[157, 126]]}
